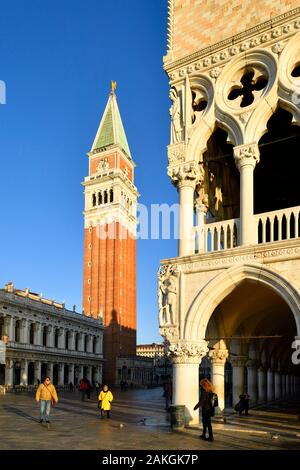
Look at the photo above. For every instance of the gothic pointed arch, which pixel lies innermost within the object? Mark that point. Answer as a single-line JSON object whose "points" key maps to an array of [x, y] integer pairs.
{"points": [[212, 294]]}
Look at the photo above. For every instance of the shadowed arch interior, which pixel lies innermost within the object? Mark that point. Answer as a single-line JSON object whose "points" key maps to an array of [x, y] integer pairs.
{"points": [[276, 177], [222, 178], [250, 311]]}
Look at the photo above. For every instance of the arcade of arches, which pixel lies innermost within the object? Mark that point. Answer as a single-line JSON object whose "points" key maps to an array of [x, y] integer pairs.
{"points": [[230, 300], [44, 338]]}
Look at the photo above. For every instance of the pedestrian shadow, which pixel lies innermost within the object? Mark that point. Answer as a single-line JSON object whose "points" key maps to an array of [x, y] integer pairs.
{"points": [[18, 412]]}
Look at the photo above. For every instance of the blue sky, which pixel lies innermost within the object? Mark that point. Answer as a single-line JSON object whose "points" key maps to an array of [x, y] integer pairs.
{"points": [[57, 58]]}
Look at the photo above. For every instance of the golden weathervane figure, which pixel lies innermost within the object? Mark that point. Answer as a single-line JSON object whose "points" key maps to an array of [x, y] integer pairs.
{"points": [[113, 86]]}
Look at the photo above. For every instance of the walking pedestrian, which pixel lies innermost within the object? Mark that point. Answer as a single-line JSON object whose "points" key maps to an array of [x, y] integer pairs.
{"points": [[47, 396], [105, 398], [88, 389], [82, 388], [244, 403], [208, 400]]}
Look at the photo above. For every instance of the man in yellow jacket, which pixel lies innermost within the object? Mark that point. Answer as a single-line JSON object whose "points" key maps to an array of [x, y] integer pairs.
{"points": [[47, 395], [105, 398]]}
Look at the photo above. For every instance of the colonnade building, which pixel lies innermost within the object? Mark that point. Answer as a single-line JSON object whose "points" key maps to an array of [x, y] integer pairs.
{"points": [[232, 294], [41, 337]]}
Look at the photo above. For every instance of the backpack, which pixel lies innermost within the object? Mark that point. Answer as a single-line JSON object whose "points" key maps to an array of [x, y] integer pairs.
{"points": [[214, 400]]}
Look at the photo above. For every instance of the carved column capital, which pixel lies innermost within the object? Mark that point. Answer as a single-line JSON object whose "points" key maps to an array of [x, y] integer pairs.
{"points": [[170, 333], [252, 363], [186, 174], [176, 154], [9, 363], [246, 155], [187, 352], [37, 326], [238, 361], [218, 356]]}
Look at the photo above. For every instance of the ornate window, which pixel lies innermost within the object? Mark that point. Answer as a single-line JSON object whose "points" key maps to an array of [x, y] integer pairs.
{"points": [[251, 82]]}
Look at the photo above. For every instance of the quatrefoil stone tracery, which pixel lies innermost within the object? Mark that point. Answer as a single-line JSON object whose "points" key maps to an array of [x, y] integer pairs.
{"points": [[250, 85]]}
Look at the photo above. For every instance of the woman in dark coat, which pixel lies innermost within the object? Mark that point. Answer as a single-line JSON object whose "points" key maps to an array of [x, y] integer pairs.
{"points": [[207, 408]]}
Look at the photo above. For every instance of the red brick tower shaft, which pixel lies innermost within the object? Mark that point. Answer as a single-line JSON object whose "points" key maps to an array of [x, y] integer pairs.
{"points": [[109, 286]]}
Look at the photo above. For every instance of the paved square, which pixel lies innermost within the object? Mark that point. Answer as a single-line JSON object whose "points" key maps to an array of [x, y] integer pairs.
{"points": [[77, 425]]}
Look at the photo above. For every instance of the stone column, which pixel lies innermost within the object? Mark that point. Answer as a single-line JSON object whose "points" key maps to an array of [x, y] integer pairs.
{"points": [[89, 373], [81, 342], [201, 211], [186, 358], [9, 373], [38, 334], [72, 340], [71, 377], [9, 328], [24, 333], [246, 157], [89, 343], [24, 372], [61, 338], [61, 375], [98, 349], [37, 371], [238, 365], [186, 217], [80, 372], [50, 336], [262, 385], [252, 366], [185, 178], [278, 391], [270, 385], [50, 370], [287, 385], [294, 385], [100, 374], [218, 358], [283, 386]]}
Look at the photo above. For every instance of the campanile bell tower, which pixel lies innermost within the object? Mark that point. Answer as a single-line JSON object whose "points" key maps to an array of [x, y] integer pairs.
{"points": [[109, 284]]}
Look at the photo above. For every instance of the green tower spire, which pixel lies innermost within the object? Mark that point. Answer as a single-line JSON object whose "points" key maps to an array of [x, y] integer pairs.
{"points": [[111, 130]]}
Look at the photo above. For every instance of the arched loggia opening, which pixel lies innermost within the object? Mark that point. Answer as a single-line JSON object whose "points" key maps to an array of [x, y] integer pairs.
{"points": [[276, 177], [251, 327], [222, 178]]}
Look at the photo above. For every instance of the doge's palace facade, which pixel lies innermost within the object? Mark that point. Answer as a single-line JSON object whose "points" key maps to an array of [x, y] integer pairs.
{"points": [[232, 294]]}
